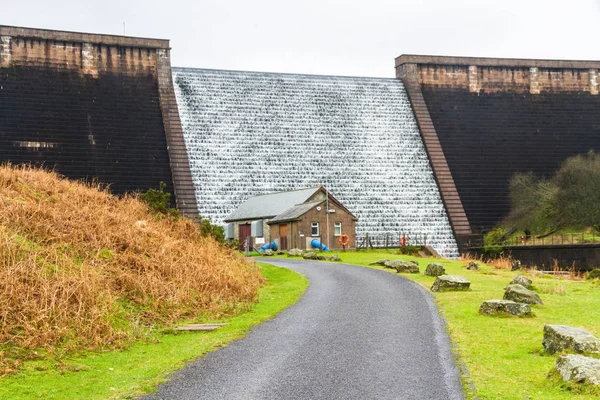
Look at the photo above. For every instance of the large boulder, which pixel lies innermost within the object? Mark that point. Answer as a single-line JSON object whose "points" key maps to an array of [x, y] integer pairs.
{"points": [[521, 280], [294, 253], [404, 266], [473, 266], [335, 257], [515, 265], [504, 307], [579, 369], [446, 283], [268, 253], [435, 269], [310, 255], [520, 294], [383, 263], [561, 337]]}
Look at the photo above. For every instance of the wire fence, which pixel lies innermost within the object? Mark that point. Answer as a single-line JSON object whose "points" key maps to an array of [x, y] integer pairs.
{"points": [[531, 240], [390, 240]]}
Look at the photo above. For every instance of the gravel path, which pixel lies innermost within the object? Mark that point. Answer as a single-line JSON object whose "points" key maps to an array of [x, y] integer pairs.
{"points": [[357, 333]]}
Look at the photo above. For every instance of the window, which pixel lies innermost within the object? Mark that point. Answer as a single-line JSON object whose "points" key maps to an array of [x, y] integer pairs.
{"points": [[315, 229], [337, 229]]}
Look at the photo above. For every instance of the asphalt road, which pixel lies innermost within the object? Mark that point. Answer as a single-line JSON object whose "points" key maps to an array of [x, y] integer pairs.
{"points": [[357, 333]]}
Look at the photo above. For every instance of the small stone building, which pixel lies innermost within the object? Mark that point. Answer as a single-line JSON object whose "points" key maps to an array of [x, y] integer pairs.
{"points": [[293, 219]]}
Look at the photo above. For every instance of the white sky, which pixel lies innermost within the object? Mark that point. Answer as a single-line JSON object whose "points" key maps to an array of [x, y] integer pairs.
{"points": [[334, 37]]}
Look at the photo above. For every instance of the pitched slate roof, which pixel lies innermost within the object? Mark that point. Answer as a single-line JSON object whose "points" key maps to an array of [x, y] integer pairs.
{"points": [[296, 211], [270, 205]]}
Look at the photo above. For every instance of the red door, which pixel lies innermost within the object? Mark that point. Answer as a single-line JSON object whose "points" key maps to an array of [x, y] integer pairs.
{"points": [[283, 236], [245, 232]]}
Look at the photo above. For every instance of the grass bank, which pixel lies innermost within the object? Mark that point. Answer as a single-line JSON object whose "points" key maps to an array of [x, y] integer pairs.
{"points": [[504, 356], [142, 366], [82, 269]]}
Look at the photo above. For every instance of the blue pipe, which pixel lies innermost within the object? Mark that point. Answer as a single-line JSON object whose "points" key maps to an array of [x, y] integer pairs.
{"points": [[317, 245], [272, 246]]}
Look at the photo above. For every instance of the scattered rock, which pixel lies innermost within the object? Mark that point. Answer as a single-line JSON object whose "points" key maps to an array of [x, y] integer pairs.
{"points": [[383, 263], [335, 257], [579, 369], [294, 253], [504, 307], [404, 266], [445, 283], [473, 266], [311, 255], [521, 280], [520, 294], [515, 265], [430, 252], [435, 269], [268, 253], [561, 337]]}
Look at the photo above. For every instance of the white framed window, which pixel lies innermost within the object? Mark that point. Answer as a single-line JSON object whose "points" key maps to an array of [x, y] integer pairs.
{"points": [[315, 229], [337, 229]]}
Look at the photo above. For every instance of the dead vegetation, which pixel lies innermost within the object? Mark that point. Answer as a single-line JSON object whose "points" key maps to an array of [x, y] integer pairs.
{"points": [[505, 262], [82, 269]]}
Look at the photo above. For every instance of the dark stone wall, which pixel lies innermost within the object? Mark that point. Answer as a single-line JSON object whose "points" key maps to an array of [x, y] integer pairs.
{"points": [[581, 257], [488, 137], [108, 127]]}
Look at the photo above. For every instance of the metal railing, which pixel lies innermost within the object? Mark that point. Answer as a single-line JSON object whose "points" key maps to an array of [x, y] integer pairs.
{"points": [[390, 240], [543, 240]]}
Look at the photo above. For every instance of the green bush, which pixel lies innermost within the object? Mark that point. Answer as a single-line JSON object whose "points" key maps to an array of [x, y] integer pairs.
{"points": [[409, 250], [209, 229], [159, 201], [495, 237], [568, 200], [594, 274]]}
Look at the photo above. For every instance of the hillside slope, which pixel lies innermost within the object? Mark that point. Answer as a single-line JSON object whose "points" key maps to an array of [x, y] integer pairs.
{"points": [[80, 268]]}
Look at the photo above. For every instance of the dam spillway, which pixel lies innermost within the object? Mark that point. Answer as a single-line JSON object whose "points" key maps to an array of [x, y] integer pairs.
{"points": [[250, 133]]}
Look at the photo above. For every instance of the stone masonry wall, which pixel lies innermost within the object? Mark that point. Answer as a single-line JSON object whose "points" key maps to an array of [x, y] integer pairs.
{"points": [[496, 117], [92, 107]]}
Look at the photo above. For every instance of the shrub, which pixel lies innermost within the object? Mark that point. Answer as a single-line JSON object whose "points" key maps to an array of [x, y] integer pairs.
{"points": [[570, 199], [159, 201], [594, 274], [409, 250], [217, 232]]}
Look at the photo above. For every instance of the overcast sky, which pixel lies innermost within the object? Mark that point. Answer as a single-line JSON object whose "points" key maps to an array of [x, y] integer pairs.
{"points": [[334, 37]]}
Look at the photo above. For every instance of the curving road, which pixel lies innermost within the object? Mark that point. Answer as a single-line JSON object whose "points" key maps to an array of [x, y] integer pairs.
{"points": [[357, 333]]}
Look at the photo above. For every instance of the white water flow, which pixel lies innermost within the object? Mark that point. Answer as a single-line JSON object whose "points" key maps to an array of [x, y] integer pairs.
{"points": [[251, 133]]}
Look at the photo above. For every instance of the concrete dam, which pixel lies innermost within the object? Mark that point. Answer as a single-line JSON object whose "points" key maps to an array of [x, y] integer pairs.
{"points": [[430, 151], [251, 133]]}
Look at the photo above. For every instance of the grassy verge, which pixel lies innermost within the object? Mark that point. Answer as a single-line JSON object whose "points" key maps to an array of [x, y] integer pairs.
{"points": [[505, 356], [142, 366]]}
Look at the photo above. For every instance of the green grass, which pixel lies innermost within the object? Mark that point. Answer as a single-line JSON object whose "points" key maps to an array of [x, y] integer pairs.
{"points": [[504, 356], [142, 366]]}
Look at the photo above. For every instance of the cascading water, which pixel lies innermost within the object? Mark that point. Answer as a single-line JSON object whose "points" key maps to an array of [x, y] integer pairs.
{"points": [[251, 133]]}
